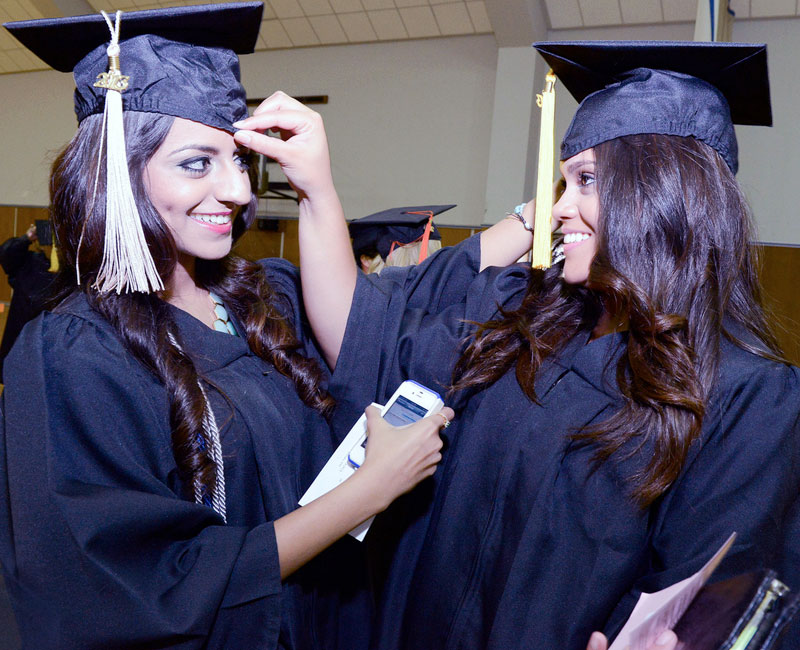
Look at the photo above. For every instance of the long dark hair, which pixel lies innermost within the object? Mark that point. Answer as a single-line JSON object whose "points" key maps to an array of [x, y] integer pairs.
{"points": [[144, 322], [675, 259]]}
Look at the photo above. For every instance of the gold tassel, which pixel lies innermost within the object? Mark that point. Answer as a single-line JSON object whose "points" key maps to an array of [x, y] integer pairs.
{"points": [[541, 252], [53, 258], [127, 263]]}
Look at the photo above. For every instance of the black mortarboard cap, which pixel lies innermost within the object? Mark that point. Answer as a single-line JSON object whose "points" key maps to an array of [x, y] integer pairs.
{"points": [[381, 230], [667, 87], [181, 61]]}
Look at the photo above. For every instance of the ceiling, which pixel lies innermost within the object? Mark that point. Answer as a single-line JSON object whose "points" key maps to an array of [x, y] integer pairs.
{"points": [[308, 23]]}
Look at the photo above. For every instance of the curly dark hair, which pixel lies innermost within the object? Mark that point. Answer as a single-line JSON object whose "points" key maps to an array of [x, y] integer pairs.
{"points": [[144, 322], [675, 261]]}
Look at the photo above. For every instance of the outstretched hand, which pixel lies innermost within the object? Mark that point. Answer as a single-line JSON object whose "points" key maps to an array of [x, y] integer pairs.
{"points": [[401, 457], [302, 148]]}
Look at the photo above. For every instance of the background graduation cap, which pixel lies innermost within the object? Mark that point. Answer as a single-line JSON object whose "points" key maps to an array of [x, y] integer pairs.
{"points": [[378, 233], [180, 62], [663, 87]]}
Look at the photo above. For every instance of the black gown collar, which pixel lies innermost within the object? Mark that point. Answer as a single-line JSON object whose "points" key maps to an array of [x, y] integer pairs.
{"points": [[209, 349], [594, 361]]}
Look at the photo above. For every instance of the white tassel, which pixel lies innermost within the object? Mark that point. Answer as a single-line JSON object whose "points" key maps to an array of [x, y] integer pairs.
{"points": [[127, 263]]}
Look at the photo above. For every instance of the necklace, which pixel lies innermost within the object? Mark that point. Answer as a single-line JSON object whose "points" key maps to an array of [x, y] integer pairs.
{"points": [[222, 322]]}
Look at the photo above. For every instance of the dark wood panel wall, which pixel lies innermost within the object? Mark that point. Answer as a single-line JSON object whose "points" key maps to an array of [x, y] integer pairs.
{"points": [[780, 277], [780, 272]]}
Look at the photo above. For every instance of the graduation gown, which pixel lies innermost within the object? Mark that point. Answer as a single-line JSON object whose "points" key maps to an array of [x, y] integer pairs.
{"points": [[99, 545], [516, 542]]}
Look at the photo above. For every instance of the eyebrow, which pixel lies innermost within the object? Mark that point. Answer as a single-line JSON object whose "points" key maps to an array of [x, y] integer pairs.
{"points": [[196, 147], [578, 164]]}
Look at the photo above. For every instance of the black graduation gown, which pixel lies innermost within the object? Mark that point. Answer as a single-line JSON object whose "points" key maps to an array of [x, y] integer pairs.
{"points": [[522, 545], [98, 545], [28, 276]]}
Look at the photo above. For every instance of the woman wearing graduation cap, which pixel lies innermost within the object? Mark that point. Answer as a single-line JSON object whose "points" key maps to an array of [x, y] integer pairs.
{"points": [[396, 237], [620, 414], [162, 422]]}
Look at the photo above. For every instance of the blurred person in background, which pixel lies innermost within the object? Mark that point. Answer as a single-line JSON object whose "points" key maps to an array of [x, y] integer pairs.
{"points": [[28, 272], [396, 237]]}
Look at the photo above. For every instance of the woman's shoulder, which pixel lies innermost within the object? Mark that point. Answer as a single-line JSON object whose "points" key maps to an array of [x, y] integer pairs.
{"points": [[280, 269], [507, 283], [745, 375], [739, 363], [72, 329], [284, 278]]}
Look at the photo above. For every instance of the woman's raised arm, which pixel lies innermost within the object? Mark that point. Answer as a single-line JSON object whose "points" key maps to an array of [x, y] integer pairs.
{"points": [[327, 267]]}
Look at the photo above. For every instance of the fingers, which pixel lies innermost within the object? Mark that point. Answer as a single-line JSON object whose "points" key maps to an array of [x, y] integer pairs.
{"points": [[281, 113], [444, 417], [597, 642], [260, 143], [279, 100], [302, 148], [422, 435], [373, 414], [287, 121], [290, 124], [667, 640]]}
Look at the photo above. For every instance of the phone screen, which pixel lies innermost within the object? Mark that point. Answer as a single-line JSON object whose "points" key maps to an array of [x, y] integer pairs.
{"points": [[404, 411]]}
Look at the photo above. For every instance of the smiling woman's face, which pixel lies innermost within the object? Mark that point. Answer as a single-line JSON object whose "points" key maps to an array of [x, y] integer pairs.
{"points": [[197, 181], [578, 211]]}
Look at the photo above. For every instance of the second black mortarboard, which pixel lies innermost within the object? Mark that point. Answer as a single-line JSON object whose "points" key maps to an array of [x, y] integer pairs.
{"points": [[666, 87], [627, 88], [381, 231]]}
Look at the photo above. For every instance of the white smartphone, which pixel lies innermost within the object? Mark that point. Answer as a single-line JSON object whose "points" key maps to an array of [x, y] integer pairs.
{"points": [[410, 402]]}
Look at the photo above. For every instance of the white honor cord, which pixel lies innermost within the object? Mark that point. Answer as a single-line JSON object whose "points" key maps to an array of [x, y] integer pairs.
{"points": [[211, 434]]}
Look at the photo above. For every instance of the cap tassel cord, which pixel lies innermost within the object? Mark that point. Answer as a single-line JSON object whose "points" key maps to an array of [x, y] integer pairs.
{"points": [[53, 258], [426, 235], [541, 247], [127, 263]]}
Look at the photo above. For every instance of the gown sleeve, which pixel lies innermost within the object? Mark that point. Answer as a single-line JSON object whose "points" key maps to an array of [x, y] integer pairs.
{"points": [[413, 323], [743, 477], [441, 280], [103, 552], [284, 278]]}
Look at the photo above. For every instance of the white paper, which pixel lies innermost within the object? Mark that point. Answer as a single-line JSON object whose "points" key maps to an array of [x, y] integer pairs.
{"points": [[661, 610], [338, 469]]}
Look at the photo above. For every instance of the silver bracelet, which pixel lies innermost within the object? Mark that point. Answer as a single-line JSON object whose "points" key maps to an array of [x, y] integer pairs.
{"points": [[517, 214]]}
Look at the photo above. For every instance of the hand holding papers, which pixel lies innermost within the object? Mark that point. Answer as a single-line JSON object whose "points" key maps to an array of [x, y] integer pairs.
{"points": [[746, 612]]}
